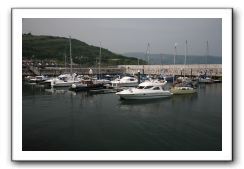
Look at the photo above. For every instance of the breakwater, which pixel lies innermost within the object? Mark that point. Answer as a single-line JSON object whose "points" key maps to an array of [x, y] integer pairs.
{"points": [[55, 71], [188, 70]]}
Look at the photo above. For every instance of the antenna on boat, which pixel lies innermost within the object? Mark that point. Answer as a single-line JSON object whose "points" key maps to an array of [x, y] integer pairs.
{"points": [[70, 53]]}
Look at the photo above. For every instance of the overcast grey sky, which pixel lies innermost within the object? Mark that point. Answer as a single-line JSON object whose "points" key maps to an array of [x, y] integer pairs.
{"points": [[132, 35]]}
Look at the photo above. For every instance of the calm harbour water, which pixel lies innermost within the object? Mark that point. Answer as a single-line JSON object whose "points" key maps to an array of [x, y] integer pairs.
{"points": [[65, 121]]}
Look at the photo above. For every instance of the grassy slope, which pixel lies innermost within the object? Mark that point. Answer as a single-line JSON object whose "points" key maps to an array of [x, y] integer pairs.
{"points": [[50, 47]]}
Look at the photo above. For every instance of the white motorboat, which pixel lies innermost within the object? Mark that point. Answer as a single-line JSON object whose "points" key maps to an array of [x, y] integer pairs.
{"points": [[103, 81], [61, 83], [146, 90], [38, 79], [64, 80], [126, 81], [205, 80]]}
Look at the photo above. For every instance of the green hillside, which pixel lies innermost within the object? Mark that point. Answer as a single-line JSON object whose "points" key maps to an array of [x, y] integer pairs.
{"points": [[55, 48]]}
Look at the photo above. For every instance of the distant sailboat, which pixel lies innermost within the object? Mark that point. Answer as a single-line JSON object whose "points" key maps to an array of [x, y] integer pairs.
{"points": [[166, 77], [148, 53], [184, 78], [64, 80], [171, 77], [183, 85], [204, 78], [99, 78], [174, 62]]}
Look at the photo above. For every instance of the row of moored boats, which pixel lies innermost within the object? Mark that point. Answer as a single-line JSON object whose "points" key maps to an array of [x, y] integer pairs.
{"points": [[126, 87]]}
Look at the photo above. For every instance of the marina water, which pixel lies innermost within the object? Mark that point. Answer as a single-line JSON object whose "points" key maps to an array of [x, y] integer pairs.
{"points": [[61, 120]]}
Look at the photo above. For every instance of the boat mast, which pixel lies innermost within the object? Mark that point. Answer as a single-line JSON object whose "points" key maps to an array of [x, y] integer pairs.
{"points": [[70, 53], [185, 59], [148, 53], [100, 55], [206, 58], [174, 63], [65, 61], [207, 53], [161, 64]]}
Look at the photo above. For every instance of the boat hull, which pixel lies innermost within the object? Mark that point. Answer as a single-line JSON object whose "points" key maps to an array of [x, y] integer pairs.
{"points": [[64, 84], [144, 96], [124, 84], [36, 81], [176, 91], [102, 91], [205, 80], [217, 81], [59, 83], [80, 88]]}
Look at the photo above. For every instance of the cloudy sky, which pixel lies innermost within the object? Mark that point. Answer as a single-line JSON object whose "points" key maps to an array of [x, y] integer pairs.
{"points": [[133, 35]]}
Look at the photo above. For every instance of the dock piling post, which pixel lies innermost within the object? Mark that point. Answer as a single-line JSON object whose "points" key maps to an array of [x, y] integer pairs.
{"points": [[139, 78]]}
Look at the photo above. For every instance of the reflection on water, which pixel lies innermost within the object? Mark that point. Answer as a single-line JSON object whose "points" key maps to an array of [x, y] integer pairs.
{"points": [[141, 102], [58, 119]]}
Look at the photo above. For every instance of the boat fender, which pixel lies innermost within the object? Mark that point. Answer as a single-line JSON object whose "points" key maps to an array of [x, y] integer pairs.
{"points": [[73, 86]]}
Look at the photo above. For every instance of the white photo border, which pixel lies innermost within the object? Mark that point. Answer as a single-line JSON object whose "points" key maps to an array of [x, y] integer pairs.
{"points": [[19, 13]]}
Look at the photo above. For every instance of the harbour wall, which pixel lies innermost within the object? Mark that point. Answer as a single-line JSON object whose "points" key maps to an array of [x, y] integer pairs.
{"points": [[188, 70], [55, 71]]}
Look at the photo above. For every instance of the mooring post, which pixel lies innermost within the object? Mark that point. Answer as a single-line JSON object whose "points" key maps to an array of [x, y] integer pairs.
{"points": [[139, 78]]}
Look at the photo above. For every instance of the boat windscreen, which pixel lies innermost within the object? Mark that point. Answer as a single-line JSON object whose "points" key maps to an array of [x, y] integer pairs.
{"points": [[156, 88], [148, 87]]}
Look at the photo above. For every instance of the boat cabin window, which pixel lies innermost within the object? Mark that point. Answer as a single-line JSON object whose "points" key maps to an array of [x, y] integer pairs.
{"points": [[156, 88], [132, 79], [63, 78], [39, 78], [140, 87], [148, 87]]}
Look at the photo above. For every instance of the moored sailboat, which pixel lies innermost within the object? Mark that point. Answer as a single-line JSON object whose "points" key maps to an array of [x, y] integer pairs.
{"points": [[183, 85], [64, 80], [205, 78]]}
